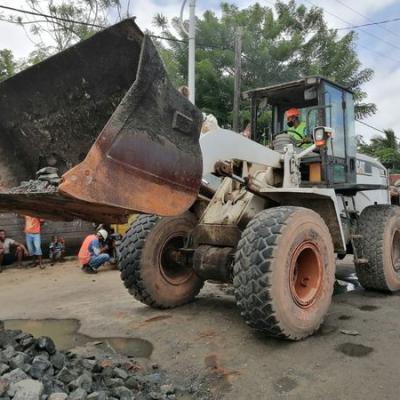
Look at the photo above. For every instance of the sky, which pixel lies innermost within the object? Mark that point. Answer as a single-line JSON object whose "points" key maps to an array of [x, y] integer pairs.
{"points": [[378, 47]]}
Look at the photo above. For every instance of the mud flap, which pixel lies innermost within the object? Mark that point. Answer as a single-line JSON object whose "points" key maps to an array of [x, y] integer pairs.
{"points": [[147, 157]]}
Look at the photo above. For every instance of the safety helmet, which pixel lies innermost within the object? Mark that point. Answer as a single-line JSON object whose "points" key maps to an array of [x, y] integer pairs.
{"points": [[103, 233], [292, 112]]}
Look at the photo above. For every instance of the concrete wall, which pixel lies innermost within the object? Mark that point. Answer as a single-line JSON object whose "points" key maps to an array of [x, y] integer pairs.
{"points": [[73, 232]]}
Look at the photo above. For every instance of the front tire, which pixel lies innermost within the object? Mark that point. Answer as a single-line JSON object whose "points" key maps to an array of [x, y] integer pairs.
{"points": [[150, 268], [379, 226], [284, 272]]}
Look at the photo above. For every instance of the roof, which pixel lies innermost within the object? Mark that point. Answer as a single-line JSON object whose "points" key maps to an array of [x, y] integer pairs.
{"points": [[306, 82]]}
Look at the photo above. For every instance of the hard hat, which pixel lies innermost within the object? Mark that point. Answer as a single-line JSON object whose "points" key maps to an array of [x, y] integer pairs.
{"points": [[292, 112], [103, 233]]}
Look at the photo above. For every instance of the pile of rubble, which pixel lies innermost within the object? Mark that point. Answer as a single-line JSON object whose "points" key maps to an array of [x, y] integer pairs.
{"points": [[33, 369], [47, 181]]}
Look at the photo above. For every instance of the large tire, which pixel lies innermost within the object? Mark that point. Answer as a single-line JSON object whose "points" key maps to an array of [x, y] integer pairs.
{"points": [[379, 226], [284, 272], [148, 270]]}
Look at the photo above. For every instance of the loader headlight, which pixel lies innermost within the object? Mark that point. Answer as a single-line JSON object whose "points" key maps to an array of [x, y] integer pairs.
{"points": [[321, 135]]}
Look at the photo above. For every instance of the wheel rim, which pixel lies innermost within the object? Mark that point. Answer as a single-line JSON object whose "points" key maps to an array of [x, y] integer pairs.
{"points": [[306, 273], [396, 251], [170, 261]]}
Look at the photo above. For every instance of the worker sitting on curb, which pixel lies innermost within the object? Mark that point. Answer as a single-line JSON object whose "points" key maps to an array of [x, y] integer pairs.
{"points": [[297, 129], [10, 250], [92, 254]]}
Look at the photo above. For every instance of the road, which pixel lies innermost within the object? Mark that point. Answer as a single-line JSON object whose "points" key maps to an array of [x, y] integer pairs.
{"points": [[207, 343]]}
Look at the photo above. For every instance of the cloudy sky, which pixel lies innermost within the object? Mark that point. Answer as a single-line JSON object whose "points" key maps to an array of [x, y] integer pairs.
{"points": [[378, 46]]}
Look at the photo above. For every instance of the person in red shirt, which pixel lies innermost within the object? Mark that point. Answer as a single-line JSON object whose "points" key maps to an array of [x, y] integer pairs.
{"points": [[32, 236]]}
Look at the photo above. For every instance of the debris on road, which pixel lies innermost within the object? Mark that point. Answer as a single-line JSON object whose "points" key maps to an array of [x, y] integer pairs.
{"points": [[33, 369], [349, 332]]}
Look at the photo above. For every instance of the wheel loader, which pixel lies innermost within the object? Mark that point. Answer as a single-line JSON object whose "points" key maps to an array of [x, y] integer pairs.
{"points": [[223, 208]]}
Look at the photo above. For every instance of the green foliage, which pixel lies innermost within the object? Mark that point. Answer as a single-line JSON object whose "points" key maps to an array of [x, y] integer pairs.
{"points": [[275, 48], [385, 148], [7, 64]]}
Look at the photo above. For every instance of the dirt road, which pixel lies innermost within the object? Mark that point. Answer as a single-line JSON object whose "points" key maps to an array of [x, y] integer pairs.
{"points": [[207, 343]]}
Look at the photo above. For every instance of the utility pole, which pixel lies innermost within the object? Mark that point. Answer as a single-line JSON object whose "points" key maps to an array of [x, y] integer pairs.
{"points": [[238, 73], [192, 50], [192, 46]]}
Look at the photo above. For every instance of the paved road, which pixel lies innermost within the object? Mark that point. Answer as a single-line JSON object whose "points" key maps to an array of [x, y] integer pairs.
{"points": [[207, 341]]}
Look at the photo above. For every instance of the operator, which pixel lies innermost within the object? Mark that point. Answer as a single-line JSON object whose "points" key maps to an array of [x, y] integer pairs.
{"points": [[297, 128]]}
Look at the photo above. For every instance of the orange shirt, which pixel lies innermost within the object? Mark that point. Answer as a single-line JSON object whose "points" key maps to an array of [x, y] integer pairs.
{"points": [[84, 254], [32, 224]]}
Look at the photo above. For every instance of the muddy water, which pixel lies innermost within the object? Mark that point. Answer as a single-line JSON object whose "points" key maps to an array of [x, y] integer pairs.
{"points": [[65, 333]]}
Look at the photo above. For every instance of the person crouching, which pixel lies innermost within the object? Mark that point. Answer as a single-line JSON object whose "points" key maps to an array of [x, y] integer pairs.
{"points": [[92, 254]]}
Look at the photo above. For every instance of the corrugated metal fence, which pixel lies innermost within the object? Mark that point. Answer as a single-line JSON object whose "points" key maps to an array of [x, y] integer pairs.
{"points": [[73, 232]]}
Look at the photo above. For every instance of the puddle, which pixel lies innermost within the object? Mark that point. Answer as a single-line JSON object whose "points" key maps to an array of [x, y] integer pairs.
{"points": [[354, 349], [345, 317], [65, 335], [368, 307]]}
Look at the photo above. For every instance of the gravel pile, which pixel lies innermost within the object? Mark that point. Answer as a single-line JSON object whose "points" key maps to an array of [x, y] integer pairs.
{"points": [[33, 369], [34, 186]]}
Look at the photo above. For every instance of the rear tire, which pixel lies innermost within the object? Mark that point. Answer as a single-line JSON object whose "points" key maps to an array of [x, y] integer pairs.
{"points": [[380, 227], [284, 272], [148, 268]]}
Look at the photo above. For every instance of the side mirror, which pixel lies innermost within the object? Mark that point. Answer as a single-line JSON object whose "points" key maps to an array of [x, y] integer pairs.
{"points": [[321, 135]]}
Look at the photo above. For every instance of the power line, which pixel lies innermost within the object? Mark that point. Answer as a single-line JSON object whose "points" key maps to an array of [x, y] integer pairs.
{"points": [[51, 16], [369, 19], [362, 30], [386, 21], [370, 126]]}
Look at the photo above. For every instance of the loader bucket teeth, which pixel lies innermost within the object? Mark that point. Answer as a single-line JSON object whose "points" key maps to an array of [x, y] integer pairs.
{"points": [[146, 158]]}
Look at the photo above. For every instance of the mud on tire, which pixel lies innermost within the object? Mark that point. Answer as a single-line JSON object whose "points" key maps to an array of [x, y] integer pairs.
{"points": [[148, 269], [379, 226], [284, 272]]}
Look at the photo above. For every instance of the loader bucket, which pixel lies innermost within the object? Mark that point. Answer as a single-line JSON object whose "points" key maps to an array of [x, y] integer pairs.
{"points": [[104, 113]]}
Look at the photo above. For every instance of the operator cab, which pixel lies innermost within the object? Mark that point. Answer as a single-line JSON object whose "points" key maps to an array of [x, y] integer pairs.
{"points": [[321, 103]]}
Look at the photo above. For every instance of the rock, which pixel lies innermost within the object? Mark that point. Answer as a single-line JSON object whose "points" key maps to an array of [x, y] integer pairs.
{"points": [[107, 372], [4, 368], [19, 360], [15, 375], [1, 326], [167, 389], [4, 385], [134, 382], [154, 378], [84, 381], [58, 360], [98, 396], [8, 353], [113, 382], [78, 394], [122, 393], [27, 341], [39, 367], [47, 170], [88, 364], [28, 389], [156, 396], [66, 376], [58, 396], [47, 344], [154, 366], [120, 373]]}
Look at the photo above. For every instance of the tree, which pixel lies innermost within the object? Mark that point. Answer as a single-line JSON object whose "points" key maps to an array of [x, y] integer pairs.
{"points": [[7, 64], [275, 48], [77, 20], [384, 148]]}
